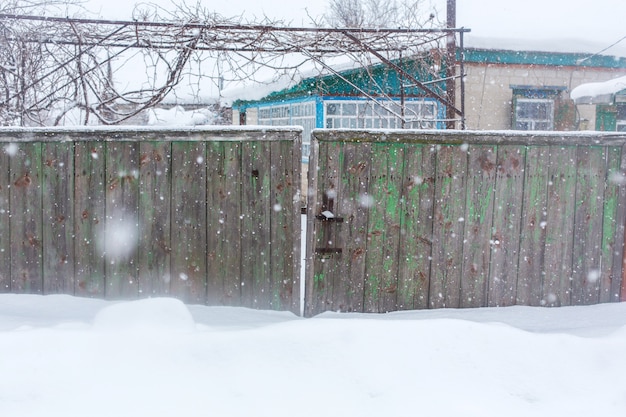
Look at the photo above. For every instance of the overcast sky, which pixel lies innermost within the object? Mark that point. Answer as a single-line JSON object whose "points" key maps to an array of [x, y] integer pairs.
{"points": [[571, 25], [536, 25]]}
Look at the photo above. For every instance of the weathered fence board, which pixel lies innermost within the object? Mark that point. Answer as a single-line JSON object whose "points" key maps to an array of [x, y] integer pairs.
{"points": [[284, 256], [466, 219], [26, 219], [354, 180], [386, 176], [416, 232], [559, 225], [610, 227], [189, 208], [505, 236], [205, 215], [89, 218], [326, 278], [477, 222], [394, 183], [154, 213], [591, 172], [121, 219], [533, 226], [256, 216], [376, 237], [5, 217], [217, 216], [58, 217], [224, 222], [447, 252]]}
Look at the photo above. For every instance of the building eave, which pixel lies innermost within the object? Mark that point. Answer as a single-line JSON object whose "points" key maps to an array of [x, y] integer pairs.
{"points": [[557, 59]]}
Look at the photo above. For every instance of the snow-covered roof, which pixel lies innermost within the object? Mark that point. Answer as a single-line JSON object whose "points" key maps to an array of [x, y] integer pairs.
{"points": [[598, 93], [251, 90], [177, 115]]}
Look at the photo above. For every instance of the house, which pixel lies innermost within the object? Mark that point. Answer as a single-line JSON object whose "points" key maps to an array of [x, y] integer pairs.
{"points": [[609, 100], [530, 90], [375, 97], [519, 68], [504, 89]]}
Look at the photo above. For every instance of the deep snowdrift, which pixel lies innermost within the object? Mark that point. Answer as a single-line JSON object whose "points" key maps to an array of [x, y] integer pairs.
{"points": [[66, 356]]}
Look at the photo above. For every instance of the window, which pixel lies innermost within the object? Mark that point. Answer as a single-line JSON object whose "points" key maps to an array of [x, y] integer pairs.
{"points": [[384, 114], [534, 106], [294, 114], [534, 114]]}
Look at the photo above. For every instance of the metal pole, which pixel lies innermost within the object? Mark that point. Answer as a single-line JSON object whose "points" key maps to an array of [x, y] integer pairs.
{"points": [[450, 63], [462, 69], [402, 101]]}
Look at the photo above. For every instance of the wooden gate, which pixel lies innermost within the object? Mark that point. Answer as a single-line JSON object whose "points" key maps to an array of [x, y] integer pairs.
{"points": [[412, 220], [210, 216]]}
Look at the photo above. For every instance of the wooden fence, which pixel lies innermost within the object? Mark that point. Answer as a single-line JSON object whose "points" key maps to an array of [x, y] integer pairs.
{"points": [[397, 220], [205, 215], [411, 220]]}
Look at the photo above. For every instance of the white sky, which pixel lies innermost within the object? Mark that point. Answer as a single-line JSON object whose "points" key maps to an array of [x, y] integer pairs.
{"points": [[556, 25], [294, 12], [570, 25], [534, 25]]}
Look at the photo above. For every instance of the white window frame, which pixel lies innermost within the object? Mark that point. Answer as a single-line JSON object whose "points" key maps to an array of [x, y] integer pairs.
{"points": [[363, 114], [299, 113], [533, 122]]}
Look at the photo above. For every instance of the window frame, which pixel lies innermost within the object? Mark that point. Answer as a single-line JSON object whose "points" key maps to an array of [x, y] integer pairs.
{"points": [[297, 113], [530, 93], [533, 121], [365, 114]]}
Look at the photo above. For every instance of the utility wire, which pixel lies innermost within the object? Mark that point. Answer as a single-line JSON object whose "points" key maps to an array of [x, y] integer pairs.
{"points": [[605, 49]]}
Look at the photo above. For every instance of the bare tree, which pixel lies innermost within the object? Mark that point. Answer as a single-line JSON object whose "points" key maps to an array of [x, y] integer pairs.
{"points": [[382, 14], [347, 13], [52, 70], [36, 77], [56, 68]]}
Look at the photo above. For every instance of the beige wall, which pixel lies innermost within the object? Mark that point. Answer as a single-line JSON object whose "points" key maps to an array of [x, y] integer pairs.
{"points": [[235, 117], [488, 94], [252, 116]]}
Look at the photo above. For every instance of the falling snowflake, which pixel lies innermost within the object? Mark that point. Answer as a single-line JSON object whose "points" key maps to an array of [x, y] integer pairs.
{"points": [[593, 275], [617, 178], [366, 200], [120, 237], [11, 149]]}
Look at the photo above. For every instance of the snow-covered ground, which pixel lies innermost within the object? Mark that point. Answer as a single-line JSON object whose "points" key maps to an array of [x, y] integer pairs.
{"points": [[66, 356]]}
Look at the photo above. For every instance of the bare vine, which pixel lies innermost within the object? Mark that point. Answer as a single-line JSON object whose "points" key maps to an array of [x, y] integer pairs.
{"points": [[51, 68]]}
